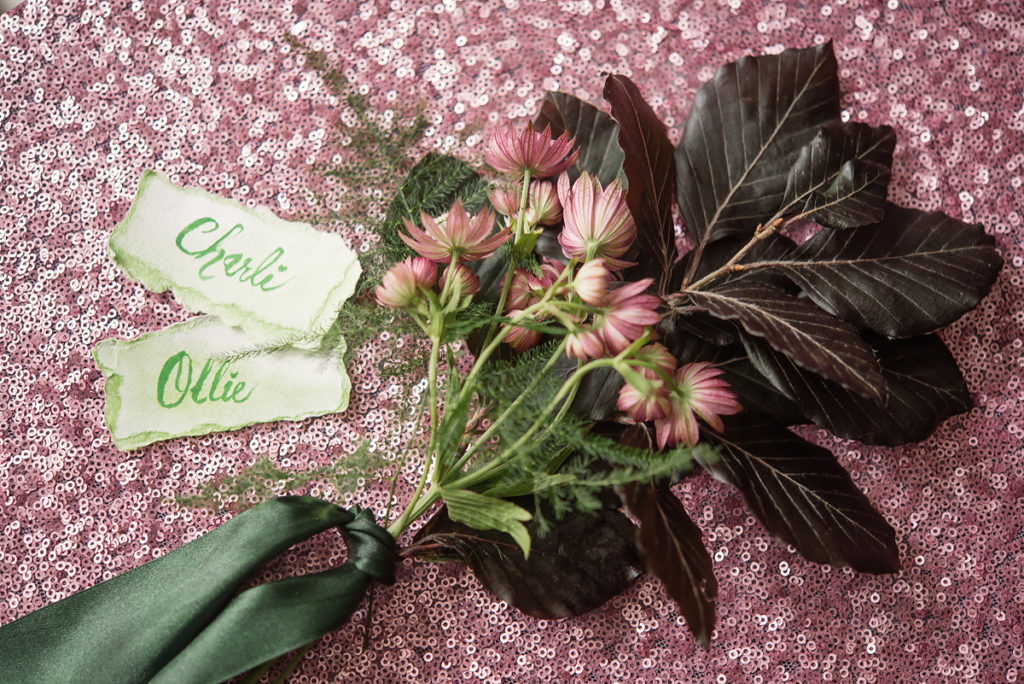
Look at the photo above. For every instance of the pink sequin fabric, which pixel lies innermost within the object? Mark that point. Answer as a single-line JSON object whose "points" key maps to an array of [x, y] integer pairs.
{"points": [[217, 95]]}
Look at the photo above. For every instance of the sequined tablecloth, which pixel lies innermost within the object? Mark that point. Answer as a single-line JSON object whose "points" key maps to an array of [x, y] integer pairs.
{"points": [[217, 95]]}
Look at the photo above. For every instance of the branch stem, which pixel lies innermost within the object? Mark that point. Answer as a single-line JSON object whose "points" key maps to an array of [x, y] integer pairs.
{"points": [[762, 233]]}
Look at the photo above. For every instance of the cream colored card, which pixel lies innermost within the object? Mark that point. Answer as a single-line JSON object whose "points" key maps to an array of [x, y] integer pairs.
{"points": [[275, 279], [183, 380]]}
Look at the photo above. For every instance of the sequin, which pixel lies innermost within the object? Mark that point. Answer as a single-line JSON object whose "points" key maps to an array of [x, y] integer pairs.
{"points": [[217, 95]]}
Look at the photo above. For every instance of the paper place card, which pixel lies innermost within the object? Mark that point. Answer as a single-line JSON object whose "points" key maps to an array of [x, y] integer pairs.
{"points": [[273, 278], [183, 381]]}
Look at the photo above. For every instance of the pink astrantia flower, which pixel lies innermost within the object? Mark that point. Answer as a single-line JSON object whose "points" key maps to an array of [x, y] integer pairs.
{"points": [[467, 283], [698, 391], [597, 222], [542, 205], [456, 238], [531, 150], [527, 288], [626, 313], [591, 282], [585, 344], [520, 338], [505, 198], [650, 401], [402, 284], [658, 355]]}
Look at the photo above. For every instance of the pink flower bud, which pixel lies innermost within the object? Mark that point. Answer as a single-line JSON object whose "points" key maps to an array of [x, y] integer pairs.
{"points": [[591, 282], [520, 339], [651, 400], [467, 283], [584, 344], [402, 284], [597, 222]]}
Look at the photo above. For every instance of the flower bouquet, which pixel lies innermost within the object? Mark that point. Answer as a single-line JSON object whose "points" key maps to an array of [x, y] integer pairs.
{"points": [[583, 355]]}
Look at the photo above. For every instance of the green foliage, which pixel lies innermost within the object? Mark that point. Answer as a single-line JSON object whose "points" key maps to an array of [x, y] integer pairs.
{"points": [[476, 316], [362, 320], [567, 465], [374, 153], [369, 156], [453, 422], [488, 513], [571, 466], [264, 480]]}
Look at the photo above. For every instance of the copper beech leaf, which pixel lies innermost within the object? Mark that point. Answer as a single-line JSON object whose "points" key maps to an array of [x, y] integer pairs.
{"points": [[841, 178], [596, 134], [911, 273], [802, 495], [744, 133], [755, 392], [924, 388], [650, 170], [582, 562], [673, 550], [813, 339]]}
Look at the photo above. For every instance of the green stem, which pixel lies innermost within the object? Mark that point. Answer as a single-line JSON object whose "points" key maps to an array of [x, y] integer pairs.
{"points": [[429, 498], [517, 229], [292, 664], [489, 432], [435, 347], [490, 468], [524, 199], [492, 346]]}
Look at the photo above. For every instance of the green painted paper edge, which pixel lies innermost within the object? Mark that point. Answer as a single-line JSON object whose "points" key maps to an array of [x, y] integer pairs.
{"points": [[137, 440], [153, 279]]}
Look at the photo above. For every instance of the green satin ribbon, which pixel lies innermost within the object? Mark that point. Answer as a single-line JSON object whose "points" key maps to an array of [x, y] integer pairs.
{"points": [[174, 618]]}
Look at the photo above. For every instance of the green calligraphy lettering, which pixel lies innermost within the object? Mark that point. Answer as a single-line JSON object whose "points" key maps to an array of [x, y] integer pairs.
{"points": [[175, 365]]}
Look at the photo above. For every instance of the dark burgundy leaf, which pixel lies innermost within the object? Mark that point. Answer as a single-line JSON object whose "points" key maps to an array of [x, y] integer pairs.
{"points": [[676, 327], [841, 178], [584, 560], [745, 131], [755, 392], [598, 393], [815, 340], [924, 383], [547, 246], [803, 496], [911, 273], [596, 134], [650, 170], [673, 550]]}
